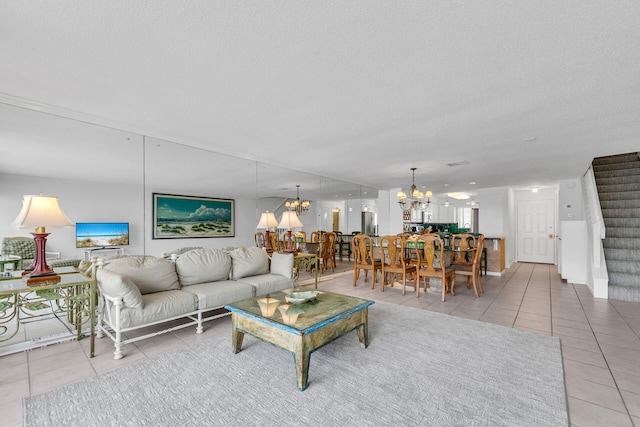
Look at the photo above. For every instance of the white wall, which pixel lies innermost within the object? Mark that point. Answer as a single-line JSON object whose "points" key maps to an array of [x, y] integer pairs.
{"points": [[494, 211], [495, 217], [84, 201], [81, 201], [570, 204]]}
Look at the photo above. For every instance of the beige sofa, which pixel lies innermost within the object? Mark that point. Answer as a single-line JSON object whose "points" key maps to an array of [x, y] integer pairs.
{"points": [[141, 291]]}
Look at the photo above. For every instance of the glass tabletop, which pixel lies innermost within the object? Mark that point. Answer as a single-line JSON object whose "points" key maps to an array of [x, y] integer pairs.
{"points": [[304, 317], [16, 285]]}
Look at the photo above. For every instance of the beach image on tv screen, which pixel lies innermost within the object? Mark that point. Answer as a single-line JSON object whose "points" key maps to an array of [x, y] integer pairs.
{"points": [[101, 234]]}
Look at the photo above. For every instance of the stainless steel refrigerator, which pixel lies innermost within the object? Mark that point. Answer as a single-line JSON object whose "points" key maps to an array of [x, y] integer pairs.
{"points": [[368, 224]]}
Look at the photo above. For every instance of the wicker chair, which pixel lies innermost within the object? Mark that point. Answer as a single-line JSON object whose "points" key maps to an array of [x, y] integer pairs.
{"points": [[25, 248]]}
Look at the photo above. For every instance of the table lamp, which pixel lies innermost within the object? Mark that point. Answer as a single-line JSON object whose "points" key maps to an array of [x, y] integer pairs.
{"points": [[289, 220], [267, 220], [41, 212]]}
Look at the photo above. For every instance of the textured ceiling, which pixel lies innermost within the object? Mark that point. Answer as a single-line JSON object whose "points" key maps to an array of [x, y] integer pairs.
{"points": [[526, 92]]}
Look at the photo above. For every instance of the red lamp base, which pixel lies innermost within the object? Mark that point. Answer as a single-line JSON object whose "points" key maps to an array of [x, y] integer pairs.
{"points": [[39, 267]]}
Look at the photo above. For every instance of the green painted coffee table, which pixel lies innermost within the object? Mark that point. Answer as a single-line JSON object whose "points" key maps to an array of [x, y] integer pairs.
{"points": [[308, 326]]}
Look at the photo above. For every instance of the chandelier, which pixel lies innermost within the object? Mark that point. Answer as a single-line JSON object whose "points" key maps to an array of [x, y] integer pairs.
{"points": [[417, 200], [301, 207]]}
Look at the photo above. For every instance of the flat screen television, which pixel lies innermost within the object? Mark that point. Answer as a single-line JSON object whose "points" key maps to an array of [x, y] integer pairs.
{"points": [[101, 234]]}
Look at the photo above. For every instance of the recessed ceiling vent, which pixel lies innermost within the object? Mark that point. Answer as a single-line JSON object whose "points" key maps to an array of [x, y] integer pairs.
{"points": [[458, 163]]}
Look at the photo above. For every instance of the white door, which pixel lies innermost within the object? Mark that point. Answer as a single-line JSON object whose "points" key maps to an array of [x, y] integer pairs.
{"points": [[536, 231]]}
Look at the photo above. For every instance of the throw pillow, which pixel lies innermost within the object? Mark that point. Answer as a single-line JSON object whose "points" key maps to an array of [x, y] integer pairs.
{"points": [[282, 264], [248, 262], [115, 285], [149, 273], [85, 267], [203, 265]]}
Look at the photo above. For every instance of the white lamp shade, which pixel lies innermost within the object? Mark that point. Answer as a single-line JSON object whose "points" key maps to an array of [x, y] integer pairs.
{"points": [[41, 211], [267, 220], [289, 220]]}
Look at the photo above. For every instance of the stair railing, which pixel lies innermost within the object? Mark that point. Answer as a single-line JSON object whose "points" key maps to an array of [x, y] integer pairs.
{"points": [[594, 215], [597, 276]]}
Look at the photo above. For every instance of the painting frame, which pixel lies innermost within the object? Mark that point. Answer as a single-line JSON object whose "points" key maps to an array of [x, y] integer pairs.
{"points": [[189, 217]]}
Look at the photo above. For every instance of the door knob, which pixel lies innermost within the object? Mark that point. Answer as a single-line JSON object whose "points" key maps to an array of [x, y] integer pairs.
{"points": [[551, 236]]}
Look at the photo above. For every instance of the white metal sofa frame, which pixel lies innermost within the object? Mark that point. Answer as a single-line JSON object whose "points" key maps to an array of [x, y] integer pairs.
{"points": [[113, 321]]}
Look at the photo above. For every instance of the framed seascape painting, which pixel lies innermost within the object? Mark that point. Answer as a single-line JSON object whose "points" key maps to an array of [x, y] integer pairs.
{"points": [[184, 217]]}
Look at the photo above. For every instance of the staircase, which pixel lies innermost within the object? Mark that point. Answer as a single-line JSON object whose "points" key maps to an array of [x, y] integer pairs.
{"points": [[618, 182]]}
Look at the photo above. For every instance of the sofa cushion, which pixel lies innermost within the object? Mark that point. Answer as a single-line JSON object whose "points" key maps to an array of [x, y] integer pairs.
{"points": [[220, 293], [267, 283], [149, 273], [159, 306], [282, 264], [115, 285], [248, 262], [203, 265]]}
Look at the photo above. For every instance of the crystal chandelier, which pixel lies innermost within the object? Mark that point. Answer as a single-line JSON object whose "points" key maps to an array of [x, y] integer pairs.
{"points": [[301, 207], [417, 200]]}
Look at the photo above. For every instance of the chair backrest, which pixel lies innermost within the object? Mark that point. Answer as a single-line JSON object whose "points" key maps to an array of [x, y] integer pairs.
{"points": [[362, 247], [327, 244], [273, 239], [393, 251], [315, 236], [426, 247], [478, 254], [24, 247], [462, 242], [259, 238]]}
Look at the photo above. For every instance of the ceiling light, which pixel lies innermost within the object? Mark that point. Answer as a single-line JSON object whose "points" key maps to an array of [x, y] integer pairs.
{"points": [[472, 183], [415, 197], [300, 207], [459, 196]]}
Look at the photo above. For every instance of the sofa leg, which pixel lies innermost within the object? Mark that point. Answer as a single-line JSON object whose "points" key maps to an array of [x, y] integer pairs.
{"points": [[118, 353], [199, 328]]}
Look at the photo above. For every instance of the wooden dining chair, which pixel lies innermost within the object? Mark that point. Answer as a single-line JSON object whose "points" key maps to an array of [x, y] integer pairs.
{"points": [[315, 236], [277, 243], [395, 261], [462, 246], [343, 245], [472, 272], [327, 251], [362, 248], [259, 238], [429, 250]]}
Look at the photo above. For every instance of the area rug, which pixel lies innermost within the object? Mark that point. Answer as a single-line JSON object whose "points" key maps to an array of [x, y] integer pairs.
{"points": [[421, 368]]}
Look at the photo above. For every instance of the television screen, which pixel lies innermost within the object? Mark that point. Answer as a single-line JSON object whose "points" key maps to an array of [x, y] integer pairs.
{"points": [[101, 234]]}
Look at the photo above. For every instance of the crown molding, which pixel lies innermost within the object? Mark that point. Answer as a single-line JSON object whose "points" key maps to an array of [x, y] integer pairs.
{"points": [[67, 113]]}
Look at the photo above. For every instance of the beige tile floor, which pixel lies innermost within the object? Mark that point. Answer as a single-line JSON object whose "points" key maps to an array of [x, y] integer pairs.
{"points": [[600, 341]]}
